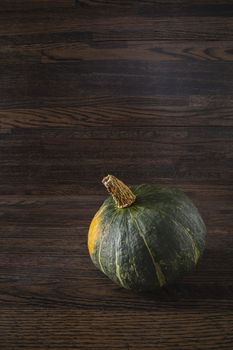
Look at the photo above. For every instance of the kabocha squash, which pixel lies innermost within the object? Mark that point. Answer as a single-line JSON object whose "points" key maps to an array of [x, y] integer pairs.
{"points": [[146, 236]]}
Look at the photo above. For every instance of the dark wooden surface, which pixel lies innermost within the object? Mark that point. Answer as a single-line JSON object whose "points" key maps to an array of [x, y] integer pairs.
{"points": [[140, 89]]}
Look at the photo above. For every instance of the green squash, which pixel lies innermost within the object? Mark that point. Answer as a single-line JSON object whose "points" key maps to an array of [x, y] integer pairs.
{"points": [[146, 236]]}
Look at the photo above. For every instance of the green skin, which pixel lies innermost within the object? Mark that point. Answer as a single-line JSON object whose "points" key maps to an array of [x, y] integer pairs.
{"points": [[152, 243]]}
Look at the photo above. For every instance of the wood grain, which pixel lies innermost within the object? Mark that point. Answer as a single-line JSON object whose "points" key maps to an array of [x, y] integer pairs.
{"points": [[109, 78], [23, 5], [89, 24], [95, 324], [155, 51], [160, 8], [140, 89], [34, 158], [193, 110]]}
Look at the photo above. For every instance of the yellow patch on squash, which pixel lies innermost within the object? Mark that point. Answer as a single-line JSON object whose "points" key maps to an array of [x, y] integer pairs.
{"points": [[94, 232]]}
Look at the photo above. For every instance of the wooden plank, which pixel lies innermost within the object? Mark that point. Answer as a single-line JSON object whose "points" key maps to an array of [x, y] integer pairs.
{"points": [[85, 24], [160, 51], [82, 80], [73, 328], [16, 5], [34, 158], [107, 111], [142, 8], [160, 8], [66, 211]]}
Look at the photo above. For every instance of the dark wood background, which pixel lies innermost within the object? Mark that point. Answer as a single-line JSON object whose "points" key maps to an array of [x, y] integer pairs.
{"points": [[139, 89]]}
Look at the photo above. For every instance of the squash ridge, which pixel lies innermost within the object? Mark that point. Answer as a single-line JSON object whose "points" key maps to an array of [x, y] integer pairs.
{"points": [[159, 273]]}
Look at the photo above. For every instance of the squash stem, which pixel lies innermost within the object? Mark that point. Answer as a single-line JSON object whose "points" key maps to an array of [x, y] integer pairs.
{"points": [[122, 194]]}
